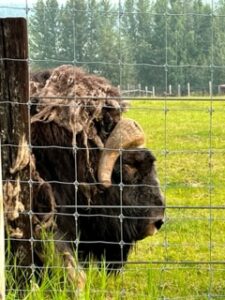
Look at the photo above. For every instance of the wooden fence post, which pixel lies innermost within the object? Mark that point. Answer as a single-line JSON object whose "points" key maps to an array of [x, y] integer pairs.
{"points": [[14, 108], [178, 90], [153, 91], [210, 89], [14, 87], [189, 89], [146, 91], [2, 236]]}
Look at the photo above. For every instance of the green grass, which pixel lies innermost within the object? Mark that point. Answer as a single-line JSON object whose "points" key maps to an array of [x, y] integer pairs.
{"points": [[182, 260]]}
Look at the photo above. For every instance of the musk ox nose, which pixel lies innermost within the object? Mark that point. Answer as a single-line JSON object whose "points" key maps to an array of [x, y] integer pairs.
{"points": [[152, 228], [159, 223]]}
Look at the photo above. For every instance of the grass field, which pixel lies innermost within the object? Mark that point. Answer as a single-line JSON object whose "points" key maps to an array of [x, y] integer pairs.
{"points": [[186, 259]]}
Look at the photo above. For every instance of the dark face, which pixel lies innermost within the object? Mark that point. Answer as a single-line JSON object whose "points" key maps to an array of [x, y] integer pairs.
{"points": [[141, 197], [129, 212]]}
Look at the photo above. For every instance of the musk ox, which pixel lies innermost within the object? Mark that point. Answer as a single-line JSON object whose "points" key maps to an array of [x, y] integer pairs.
{"points": [[94, 184]]}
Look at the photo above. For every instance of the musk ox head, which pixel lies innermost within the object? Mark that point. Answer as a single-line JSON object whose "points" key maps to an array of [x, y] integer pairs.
{"points": [[100, 177], [125, 212]]}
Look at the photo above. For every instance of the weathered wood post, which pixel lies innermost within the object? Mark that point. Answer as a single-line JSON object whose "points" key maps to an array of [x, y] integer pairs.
{"points": [[178, 90], [2, 236], [14, 125], [146, 91], [153, 91], [210, 89], [14, 89], [189, 89]]}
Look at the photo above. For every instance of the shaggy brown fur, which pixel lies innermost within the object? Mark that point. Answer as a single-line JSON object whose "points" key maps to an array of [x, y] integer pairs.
{"points": [[80, 110], [72, 115]]}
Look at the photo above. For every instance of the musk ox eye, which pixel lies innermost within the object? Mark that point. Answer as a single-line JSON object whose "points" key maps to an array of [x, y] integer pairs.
{"points": [[149, 157], [125, 172], [145, 162], [128, 173]]}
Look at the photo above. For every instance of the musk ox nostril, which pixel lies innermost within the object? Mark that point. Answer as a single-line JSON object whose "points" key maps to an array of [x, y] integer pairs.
{"points": [[159, 223]]}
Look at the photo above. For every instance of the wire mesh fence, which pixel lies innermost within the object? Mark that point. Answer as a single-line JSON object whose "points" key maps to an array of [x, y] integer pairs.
{"points": [[157, 44]]}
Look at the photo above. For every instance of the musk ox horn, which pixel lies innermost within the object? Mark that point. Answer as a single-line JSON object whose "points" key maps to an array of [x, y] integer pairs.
{"points": [[126, 134]]}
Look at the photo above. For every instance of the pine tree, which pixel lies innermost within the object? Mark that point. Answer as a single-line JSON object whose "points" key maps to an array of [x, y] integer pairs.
{"points": [[44, 34], [218, 46], [52, 32], [37, 42], [144, 55], [92, 42], [107, 38], [128, 43], [81, 30], [159, 45], [67, 32], [73, 31], [176, 42]]}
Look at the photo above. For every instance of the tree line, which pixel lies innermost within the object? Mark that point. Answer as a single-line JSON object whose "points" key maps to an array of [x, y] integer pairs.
{"points": [[152, 43]]}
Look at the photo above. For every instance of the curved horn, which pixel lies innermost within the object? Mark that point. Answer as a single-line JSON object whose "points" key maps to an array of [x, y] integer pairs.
{"points": [[126, 134]]}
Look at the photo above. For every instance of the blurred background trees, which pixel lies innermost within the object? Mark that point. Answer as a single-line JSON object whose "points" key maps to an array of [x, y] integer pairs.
{"points": [[152, 43]]}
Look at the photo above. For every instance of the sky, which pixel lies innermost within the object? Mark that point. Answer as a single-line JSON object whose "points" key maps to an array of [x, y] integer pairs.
{"points": [[16, 8], [22, 3], [30, 2], [9, 2]]}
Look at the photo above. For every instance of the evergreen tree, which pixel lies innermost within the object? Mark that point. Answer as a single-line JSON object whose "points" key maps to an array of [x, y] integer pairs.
{"points": [[107, 39], [91, 55], [37, 42], [67, 32], [144, 55], [177, 42], [52, 32], [218, 47], [201, 54], [81, 30], [44, 34], [128, 42], [159, 42], [73, 31], [185, 43], [152, 43]]}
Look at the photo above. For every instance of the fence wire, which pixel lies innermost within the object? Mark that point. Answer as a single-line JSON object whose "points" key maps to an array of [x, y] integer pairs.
{"points": [[185, 260]]}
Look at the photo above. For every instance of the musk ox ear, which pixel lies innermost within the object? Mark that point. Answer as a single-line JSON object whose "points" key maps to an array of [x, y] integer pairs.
{"points": [[135, 163], [128, 173], [145, 156], [135, 157], [142, 160]]}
